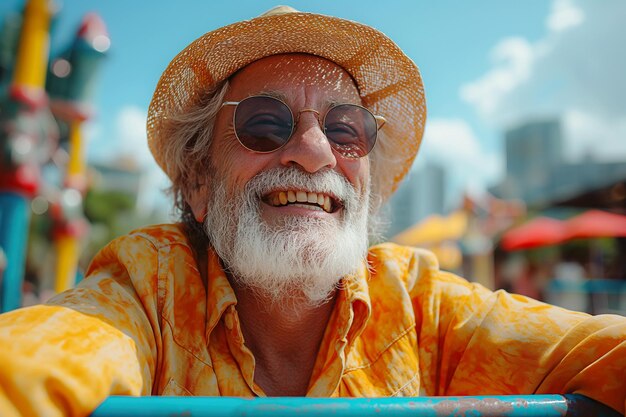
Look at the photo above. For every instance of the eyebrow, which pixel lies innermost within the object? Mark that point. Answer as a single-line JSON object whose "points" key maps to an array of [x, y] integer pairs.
{"points": [[272, 93]]}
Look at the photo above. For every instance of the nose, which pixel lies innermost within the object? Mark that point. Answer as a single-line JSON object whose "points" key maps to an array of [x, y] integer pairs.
{"points": [[308, 147]]}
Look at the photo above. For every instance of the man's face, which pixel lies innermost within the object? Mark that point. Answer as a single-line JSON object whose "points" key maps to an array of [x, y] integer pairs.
{"points": [[271, 245], [303, 82]]}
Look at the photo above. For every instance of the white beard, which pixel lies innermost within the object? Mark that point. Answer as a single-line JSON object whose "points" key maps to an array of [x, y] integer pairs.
{"points": [[301, 256]]}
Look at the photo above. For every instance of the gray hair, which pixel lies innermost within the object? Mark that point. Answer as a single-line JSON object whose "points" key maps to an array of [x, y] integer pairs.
{"points": [[186, 151]]}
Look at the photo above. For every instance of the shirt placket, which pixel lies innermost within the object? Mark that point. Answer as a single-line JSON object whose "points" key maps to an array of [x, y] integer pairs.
{"points": [[240, 352], [343, 329], [332, 356]]}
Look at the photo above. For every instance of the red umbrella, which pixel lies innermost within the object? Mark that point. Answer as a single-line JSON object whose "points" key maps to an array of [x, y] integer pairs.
{"points": [[596, 223], [540, 231]]}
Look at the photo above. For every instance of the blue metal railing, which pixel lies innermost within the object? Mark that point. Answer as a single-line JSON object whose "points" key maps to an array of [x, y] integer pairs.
{"points": [[569, 405]]}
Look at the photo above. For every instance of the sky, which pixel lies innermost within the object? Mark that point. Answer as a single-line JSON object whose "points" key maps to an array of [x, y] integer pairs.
{"points": [[487, 65]]}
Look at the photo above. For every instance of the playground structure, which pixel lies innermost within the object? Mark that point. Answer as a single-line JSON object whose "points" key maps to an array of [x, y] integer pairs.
{"points": [[43, 105]]}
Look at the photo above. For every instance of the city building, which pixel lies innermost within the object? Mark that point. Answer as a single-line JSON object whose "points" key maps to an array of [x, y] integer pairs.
{"points": [[419, 196], [537, 173]]}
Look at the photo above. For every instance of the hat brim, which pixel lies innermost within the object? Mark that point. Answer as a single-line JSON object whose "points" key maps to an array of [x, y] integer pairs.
{"points": [[389, 82]]}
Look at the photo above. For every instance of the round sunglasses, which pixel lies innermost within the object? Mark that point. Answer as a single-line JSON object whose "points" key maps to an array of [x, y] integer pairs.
{"points": [[265, 124]]}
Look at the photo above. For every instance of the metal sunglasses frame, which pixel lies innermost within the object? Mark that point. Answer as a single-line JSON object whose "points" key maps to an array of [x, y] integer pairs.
{"points": [[380, 122]]}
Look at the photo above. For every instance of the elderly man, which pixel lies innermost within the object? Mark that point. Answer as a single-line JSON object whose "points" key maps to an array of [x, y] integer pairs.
{"points": [[282, 136]]}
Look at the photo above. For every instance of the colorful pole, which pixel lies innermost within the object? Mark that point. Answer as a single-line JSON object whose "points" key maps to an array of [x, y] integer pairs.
{"points": [[22, 129], [71, 91], [29, 76], [67, 253], [569, 405], [72, 224], [14, 221]]}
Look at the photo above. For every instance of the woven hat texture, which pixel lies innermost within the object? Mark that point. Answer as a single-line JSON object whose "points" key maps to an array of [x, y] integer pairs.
{"points": [[389, 82]]}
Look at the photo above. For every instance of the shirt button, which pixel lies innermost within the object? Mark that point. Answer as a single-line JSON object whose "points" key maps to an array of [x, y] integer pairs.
{"points": [[228, 320]]}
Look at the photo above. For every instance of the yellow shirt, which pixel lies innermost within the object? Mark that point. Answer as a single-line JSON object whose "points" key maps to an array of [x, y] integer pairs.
{"points": [[144, 323]]}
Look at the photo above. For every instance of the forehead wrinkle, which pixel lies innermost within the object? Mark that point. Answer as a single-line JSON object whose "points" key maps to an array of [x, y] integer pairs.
{"points": [[287, 77], [273, 93], [328, 103]]}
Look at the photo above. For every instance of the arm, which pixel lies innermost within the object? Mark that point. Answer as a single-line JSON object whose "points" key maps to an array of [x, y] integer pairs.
{"points": [[96, 340], [480, 342]]}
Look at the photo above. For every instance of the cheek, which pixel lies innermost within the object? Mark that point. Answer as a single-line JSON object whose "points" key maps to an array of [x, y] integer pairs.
{"points": [[357, 171], [224, 149], [225, 152], [236, 164]]}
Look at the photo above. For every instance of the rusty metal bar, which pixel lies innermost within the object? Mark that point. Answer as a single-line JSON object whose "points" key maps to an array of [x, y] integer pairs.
{"points": [[569, 405]]}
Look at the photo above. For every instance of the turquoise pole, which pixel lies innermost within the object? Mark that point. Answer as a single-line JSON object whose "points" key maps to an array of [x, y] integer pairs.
{"points": [[479, 406], [14, 222]]}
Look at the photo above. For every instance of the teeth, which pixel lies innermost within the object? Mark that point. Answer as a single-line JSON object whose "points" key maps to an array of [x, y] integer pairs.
{"points": [[282, 198], [309, 207], [301, 197]]}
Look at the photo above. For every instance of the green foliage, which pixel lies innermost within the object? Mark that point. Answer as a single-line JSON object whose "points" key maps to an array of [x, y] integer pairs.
{"points": [[105, 206], [112, 213], [104, 209]]}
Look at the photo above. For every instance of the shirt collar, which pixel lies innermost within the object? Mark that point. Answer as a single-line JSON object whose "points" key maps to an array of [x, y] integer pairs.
{"points": [[220, 294], [353, 303]]}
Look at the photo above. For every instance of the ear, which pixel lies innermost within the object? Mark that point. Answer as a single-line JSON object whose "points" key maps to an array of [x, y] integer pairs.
{"points": [[197, 201]]}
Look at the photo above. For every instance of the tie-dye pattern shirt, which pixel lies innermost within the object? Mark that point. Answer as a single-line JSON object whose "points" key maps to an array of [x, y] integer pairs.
{"points": [[143, 322]]}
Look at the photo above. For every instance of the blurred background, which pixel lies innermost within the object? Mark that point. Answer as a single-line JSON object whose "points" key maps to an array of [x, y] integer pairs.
{"points": [[520, 183]]}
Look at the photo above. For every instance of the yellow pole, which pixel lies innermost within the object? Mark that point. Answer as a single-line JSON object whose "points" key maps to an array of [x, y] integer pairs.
{"points": [[32, 53], [67, 259], [67, 244], [76, 165]]}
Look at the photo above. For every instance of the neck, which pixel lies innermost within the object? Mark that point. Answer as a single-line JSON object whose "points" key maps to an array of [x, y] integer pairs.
{"points": [[283, 337]]}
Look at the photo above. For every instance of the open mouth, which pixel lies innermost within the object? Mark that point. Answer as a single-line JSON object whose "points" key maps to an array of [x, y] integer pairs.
{"points": [[311, 200]]}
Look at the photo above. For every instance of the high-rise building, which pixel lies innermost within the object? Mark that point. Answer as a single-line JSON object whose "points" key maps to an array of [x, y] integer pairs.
{"points": [[536, 173], [420, 195], [532, 150]]}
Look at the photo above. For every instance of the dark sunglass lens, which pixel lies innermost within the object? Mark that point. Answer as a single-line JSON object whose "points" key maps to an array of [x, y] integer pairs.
{"points": [[263, 124], [351, 130]]}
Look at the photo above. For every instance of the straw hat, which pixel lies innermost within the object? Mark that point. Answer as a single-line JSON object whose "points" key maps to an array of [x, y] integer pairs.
{"points": [[389, 82]]}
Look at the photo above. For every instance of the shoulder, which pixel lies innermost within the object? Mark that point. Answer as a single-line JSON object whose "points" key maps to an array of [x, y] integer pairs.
{"points": [[135, 266], [158, 236], [406, 263], [146, 240], [417, 269], [141, 253]]}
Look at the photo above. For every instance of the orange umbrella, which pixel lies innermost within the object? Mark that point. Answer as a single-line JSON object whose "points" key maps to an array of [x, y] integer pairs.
{"points": [[596, 223], [540, 231]]}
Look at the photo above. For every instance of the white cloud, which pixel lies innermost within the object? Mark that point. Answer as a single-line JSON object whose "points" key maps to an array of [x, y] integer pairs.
{"points": [[126, 139], [594, 136], [128, 145], [130, 135], [512, 59], [575, 71], [453, 144], [564, 15]]}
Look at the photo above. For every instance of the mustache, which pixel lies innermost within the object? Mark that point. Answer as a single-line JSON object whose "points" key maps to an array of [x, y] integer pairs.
{"points": [[326, 181]]}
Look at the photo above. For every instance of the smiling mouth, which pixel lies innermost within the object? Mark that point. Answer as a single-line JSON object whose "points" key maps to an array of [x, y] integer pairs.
{"points": [[310, 200]]}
